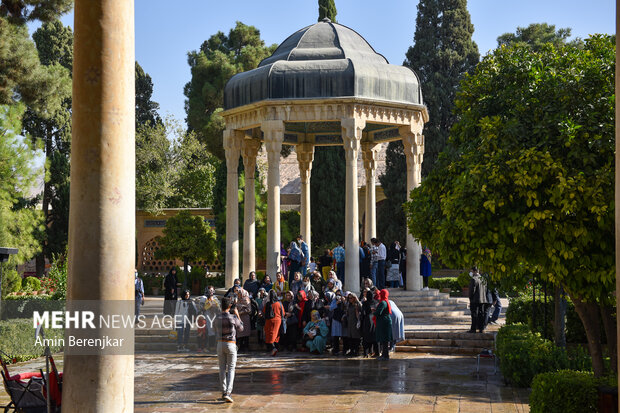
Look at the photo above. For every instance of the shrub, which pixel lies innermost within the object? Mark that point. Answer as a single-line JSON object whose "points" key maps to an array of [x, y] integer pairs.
{"points": [[523, 355], [11, 281], [564, 391], [30, 284], [23, 306], [58, 276], [445, 282], [463, 280], [17, 339]]}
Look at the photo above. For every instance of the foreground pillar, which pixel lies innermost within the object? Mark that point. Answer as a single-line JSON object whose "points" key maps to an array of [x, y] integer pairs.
{"points": [[617, 183], [102, 213], [414, 151], [231, 150], [369, 155], [305, 156], [273, 131], [249, 150], [351, 136]]}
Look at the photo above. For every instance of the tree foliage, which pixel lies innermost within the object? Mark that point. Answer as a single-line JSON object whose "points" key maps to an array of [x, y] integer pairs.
{"points": [[187, 237], [218, 59], [327, 191], [391, 222], [20, 221], [22, 11], [526, 182], [146, 109], [177, 173], [536, 35], [54, 43], [442, 53], [327, 8]]}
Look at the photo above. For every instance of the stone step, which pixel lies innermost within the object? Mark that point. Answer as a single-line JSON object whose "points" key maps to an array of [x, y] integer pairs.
{"points": [[448, 343], [439, 350], [429, 309], [437, 313], [450, 335], [428, 303], [402, 293]]}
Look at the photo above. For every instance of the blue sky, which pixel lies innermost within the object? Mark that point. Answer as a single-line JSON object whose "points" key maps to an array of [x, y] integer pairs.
{"points": [[166, 31]]}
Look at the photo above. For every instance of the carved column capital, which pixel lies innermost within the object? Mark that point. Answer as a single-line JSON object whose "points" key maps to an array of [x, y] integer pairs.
{"points": [[305, 157], [249, 150], [351, 136], [370, 150], [232, 147], [273, 135]]}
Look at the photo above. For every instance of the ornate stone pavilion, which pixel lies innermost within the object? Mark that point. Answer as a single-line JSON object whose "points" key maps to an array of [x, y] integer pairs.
{"points": [[323, 86]]}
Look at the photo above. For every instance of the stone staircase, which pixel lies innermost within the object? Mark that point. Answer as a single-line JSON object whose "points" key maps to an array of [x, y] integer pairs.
{"points": [[446, 342], [422, 306]]}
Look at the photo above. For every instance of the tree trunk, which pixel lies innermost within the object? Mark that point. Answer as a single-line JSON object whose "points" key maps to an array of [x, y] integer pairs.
{"points": [[611, 333], [559, 323], [589, 314]]}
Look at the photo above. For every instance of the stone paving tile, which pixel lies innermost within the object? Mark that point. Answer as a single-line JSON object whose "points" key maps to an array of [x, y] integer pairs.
{"points": [[421, 383]]}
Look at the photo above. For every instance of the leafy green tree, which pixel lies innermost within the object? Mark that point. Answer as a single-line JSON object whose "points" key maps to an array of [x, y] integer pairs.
{"points": [[526, 182], [54, 44], [217, 60], [327, 8], [536, 35], [177, 173], [189, 238], [391, 222], [327, 191], [146, 109], [22, 11], [442, 53], [20, 221]]}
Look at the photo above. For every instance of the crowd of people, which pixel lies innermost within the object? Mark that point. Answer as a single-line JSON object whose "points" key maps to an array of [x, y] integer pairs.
{"points": [[309, 316]]}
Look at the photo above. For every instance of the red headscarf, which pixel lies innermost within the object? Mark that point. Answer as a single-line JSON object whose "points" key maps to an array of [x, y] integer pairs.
{"points": [[302, 304], [383, 296]]}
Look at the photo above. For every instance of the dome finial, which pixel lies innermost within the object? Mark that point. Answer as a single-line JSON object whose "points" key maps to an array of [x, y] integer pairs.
{"points": [[326, 20]]}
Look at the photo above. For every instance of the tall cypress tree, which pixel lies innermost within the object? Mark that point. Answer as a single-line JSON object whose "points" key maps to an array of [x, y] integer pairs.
{"points": [[442, 53], [391, 222], [327, 8], [327, 182]]}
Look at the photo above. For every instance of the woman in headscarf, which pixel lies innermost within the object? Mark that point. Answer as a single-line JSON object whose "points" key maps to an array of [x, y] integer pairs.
{"points": [[369, 340], [211, 309], [185, 314], [302, 310], [325, 264], [289, 338], [383, 324], [273, 312], [251, 285], [318, 283], [353, 325], [284, 259], [315, 333], [398, 325], [330, 287], [295, 286], [266, 284], [336, 308], [306, 285], [425, 266], [393, 260], [244, 306], [261, 299], [337, 282], [281, 285], [170, 292]]}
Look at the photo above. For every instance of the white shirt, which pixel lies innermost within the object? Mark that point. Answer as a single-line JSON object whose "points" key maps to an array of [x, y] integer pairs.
{"points": [[382, 252]]}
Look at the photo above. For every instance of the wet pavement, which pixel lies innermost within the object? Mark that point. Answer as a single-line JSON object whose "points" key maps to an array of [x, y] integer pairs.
{"points": [[299, 381], [188, 382]]}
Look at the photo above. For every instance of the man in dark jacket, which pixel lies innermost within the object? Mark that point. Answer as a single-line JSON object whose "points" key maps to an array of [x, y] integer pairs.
{"points": [[477, 301]]}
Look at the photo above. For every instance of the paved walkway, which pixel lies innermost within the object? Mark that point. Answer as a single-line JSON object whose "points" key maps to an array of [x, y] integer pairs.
{"points": [[301, 382]]}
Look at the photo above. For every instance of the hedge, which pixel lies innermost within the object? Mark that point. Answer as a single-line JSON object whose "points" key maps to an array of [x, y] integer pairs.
{"points": [[17, 340], [523, 354], [564, 391], [445, 282]]}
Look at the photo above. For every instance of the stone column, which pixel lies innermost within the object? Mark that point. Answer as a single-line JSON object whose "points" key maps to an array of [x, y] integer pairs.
{"points": [[414, 150], [369, 155], [102, 213], [305, 156], [231, 149], [249, 150], [273, 131], [351, 137]]}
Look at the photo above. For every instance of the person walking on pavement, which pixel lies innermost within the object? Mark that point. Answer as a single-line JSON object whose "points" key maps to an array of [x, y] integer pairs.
{"points": [[227, 324], [477, 300]]}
